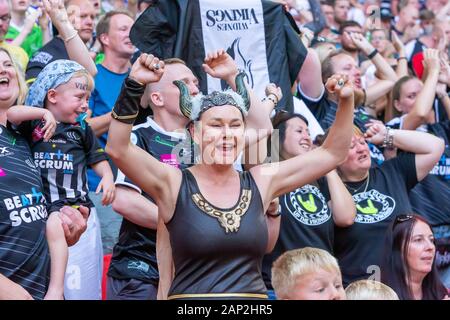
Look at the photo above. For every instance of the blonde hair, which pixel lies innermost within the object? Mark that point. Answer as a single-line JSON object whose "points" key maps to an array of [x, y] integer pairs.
{"points": [[23, 88], [294, 263], [357, 132], [370, 290], [87, 75]]}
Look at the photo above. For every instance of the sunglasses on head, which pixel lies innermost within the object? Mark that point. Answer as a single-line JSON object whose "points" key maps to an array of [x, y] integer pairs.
{"points": [[402, 218]]}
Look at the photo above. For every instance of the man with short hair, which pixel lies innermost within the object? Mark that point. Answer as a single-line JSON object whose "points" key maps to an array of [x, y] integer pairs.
{"points": [[81, 14], [406, 26], [341, 9], [348, 45], [17, 53], [328, 12], [331, 29], [113, 32]]}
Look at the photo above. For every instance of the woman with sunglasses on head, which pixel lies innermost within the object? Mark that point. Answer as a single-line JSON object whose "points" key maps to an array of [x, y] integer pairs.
{"points": [[215, 215], [309, 213], [379, 193], [420, 110], [410, 265]]}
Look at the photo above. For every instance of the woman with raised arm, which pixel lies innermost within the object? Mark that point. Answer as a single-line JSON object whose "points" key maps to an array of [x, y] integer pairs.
{"points": [[380, 193], [23, 208], [214, 214]]}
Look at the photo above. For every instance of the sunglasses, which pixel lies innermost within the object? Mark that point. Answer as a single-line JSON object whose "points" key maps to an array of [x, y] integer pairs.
{"points": [[402, 218]]}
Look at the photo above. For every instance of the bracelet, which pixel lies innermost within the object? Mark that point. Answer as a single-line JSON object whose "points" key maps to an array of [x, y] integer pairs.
{"points": [[273, 94], [271, 99], [400, 58], [388, 141], [372, 54], [274, 215], [75, 33]]}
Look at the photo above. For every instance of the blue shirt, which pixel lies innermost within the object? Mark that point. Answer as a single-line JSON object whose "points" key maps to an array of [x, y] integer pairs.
{"points": [[103, 98]]}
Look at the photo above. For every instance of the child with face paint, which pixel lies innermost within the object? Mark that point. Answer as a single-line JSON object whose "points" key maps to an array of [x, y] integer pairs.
{"points": [[63, 146]]}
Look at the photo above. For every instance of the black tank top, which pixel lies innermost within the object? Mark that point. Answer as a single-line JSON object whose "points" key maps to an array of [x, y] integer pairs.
{"points": [[218, 253]]}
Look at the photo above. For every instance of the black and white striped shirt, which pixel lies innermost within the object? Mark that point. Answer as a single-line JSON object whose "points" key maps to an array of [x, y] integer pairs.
{"points": [[63, 162]]}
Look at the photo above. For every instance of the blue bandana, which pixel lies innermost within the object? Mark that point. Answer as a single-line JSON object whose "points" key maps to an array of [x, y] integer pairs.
{"points": [[53, 75]]}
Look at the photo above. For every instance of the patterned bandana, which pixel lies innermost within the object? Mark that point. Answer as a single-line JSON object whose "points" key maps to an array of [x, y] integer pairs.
{"points": [[53, 75]]}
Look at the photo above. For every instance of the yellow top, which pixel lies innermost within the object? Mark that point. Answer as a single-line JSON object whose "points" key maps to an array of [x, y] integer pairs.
{"points": [[17, 53]]}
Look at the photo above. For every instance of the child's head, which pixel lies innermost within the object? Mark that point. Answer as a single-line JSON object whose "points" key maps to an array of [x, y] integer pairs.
{"points": [[369, 290], [64, 88], [307, 274]]}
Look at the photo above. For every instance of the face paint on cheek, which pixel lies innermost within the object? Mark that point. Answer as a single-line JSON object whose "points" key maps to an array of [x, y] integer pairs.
{"points": [[81, 86]]}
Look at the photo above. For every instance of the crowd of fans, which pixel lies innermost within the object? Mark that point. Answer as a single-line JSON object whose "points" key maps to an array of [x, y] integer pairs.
{"points": [[91, 127]]}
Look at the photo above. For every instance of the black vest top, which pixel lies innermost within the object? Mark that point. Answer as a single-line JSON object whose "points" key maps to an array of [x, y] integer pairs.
{"points": [[218, 253]]}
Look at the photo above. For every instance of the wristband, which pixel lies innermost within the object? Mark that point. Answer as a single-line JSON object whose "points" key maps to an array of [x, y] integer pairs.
{"points": [[271, 99], [276, 98], [73, 35], [126, 108], [388, 141], [372, 54]]}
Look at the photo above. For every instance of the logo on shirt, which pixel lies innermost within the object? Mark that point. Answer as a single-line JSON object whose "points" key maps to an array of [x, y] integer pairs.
{"points": [[26, 208], [308, 205], [236, 52], [442, 168], [169, 159], [42, 57], [2, 172], [73, 136], [138, 265], [57, 141], [373, 206], [231, 19], [54, 160], [5, 152], [31, 165]]}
